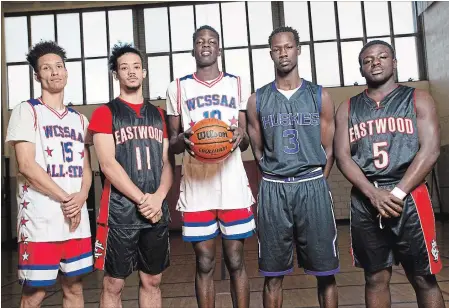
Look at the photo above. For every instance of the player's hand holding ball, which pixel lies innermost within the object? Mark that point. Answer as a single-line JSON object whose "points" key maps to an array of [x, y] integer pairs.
{"points": [[386, 203], [238, 135], [150, 206], [186, 137], [212, 140]]}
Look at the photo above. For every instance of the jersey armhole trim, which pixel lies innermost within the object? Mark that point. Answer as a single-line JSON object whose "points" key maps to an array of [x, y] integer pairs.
{"points": [[35, 114], [319, 94], [257, 102], [414, 101], [178, 98], [239, 86]]}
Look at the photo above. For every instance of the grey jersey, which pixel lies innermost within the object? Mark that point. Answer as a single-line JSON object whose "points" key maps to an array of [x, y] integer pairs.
{"points": [[384, 136], [291, 130]]}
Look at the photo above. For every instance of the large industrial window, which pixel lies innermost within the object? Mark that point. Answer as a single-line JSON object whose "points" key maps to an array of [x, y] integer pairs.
{"points": [[331, 35]]}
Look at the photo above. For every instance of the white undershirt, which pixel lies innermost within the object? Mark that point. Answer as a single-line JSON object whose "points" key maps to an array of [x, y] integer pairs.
{"points": [[288, 93]]}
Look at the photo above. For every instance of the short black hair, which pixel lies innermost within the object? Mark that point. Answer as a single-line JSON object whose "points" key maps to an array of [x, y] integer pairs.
{"points": [[376, 42], [284, 30], [119, 50], [43, 48], [205, 27]]}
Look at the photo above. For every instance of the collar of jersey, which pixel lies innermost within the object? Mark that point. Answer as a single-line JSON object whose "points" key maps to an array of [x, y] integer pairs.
{"points": [[211, 83], [59, 115]]}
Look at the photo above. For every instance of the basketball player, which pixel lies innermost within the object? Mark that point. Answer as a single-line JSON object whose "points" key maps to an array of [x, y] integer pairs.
{"points": [[131, 142], [291, 127], [387, 141], [212, 195], [53, 183]]}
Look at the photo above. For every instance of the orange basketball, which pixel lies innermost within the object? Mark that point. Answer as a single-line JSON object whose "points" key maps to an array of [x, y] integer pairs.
{"points": [[211, 140]]}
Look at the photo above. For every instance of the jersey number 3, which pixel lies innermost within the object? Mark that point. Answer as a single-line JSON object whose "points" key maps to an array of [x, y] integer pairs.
{"points": [[293, 142], [381, 159]]}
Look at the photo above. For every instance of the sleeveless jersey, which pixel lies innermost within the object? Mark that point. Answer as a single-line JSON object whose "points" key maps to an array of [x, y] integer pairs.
{"points": [[383, 136], [291, 130], [59, 151], [221, 185], [138, 149]]}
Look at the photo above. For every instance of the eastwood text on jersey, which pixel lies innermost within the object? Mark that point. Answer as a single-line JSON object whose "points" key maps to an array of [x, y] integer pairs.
{"points": [[381, 126]]}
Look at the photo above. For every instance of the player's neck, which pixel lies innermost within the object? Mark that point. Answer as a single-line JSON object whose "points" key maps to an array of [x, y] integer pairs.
{"points": [[207, 73], [134, 97], [289, 81], [53, 100], [383, 89]]}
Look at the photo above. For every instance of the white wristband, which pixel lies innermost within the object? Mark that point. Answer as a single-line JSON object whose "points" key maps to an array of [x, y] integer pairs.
{"points": [[398, 193]]}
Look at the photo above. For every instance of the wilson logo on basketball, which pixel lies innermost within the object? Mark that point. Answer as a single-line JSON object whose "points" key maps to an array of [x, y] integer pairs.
{"points": [[211, 134]]}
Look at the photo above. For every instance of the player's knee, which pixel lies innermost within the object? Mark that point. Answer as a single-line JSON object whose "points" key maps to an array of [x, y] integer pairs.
{"points": [[235, 261], [113, 286], [32, 297], [206, 263], [326, 281], [150, 281], [380, 279], [273, 284], [72, 287], [423, 282]]}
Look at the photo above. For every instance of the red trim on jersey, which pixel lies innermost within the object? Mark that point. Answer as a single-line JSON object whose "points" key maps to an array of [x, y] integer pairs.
{"points": [[239, 86], [82, 120], [103, 215], [425, 214], [164, 124], [101, 245], [178, 100], [35, 115], [135, 107], [414, 100], [66, 111], [349, 106], [101, 121], [209, 84]]}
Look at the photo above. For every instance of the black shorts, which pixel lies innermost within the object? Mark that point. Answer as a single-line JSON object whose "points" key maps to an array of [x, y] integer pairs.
{"points": [[119, 251], [300, 213], [409, 239]]}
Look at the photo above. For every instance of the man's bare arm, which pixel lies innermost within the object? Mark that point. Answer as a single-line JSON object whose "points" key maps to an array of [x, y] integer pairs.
{"points": [[35, 175], [327, 124], [429, 142], [254, 131], [114, 172], [87, 172], [167, 171]]}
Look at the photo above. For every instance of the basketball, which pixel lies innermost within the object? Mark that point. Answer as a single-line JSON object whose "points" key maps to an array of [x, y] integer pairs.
{"points": [[211, 140]]}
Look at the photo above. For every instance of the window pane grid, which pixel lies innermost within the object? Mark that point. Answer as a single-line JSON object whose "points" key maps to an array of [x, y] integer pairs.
{"points": [[75, 31], [353, 22], [239, 36]]}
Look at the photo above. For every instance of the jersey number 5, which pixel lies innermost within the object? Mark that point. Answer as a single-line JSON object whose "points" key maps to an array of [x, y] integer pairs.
{"points": [[381, 159]]}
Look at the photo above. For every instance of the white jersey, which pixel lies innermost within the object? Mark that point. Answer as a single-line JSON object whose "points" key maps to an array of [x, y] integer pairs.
{"points": [[59, 140], [204, 186]]}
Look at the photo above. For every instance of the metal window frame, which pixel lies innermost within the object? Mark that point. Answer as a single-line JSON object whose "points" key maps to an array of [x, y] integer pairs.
{"points": [[277, 11]]}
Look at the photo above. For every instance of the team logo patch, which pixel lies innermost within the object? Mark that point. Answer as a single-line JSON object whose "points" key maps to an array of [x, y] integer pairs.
{"points": [[99, 249], [435, 251]]}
